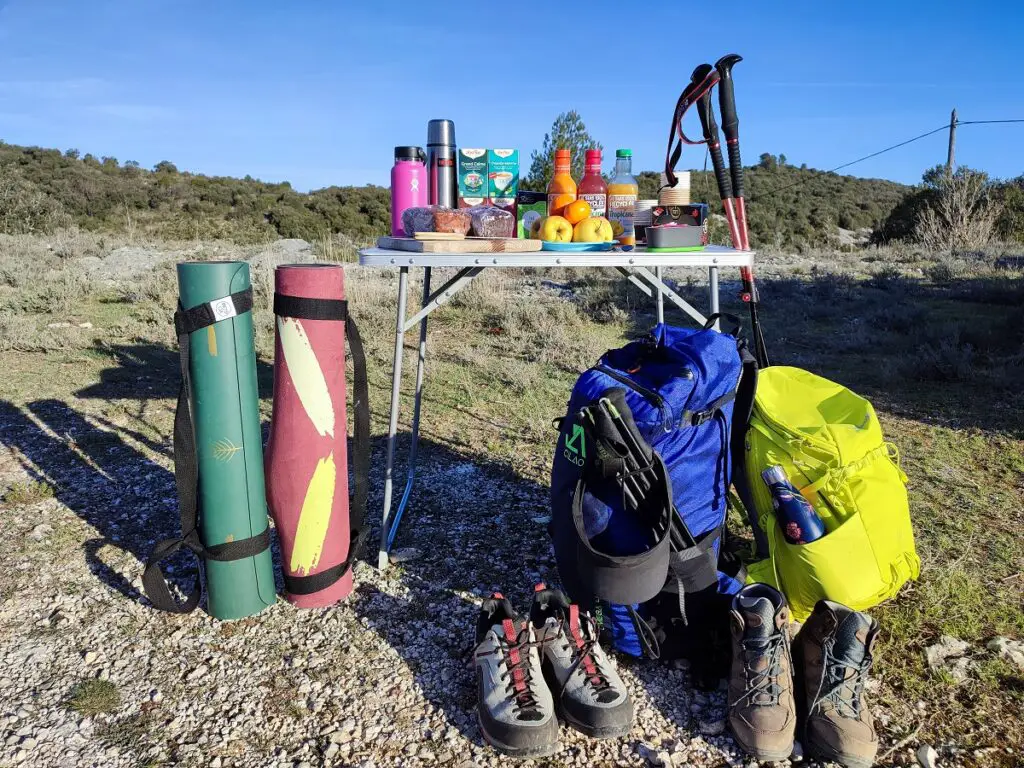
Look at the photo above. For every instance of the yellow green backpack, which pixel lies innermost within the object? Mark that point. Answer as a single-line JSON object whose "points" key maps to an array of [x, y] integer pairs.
{"points": [[830, 444]]}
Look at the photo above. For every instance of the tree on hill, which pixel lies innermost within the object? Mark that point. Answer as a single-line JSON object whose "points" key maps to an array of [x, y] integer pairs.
{"points": [[567, 132]]}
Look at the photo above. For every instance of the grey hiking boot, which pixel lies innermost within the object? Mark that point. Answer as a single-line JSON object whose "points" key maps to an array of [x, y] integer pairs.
{"points": [[833, 654], [588, 693], [762, 710], [514, 706]]}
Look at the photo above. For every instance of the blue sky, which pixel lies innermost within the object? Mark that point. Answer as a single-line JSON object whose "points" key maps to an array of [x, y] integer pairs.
{"points": [[318, 93]]}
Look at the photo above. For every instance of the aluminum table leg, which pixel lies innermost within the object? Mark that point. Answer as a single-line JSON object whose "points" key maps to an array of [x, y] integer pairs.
{"points": [[415, 437], [396, 387]]}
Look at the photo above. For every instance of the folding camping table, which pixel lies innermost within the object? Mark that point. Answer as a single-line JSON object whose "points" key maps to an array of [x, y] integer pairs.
{"points": [[642, 269]]}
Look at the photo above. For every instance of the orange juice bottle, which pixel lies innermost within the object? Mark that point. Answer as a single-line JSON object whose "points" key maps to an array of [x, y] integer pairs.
{"points": [[622, 193], [561, 188]]}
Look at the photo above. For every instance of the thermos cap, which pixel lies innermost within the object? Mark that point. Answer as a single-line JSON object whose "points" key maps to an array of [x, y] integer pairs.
{"points": [[409, 153], [441, 132]]}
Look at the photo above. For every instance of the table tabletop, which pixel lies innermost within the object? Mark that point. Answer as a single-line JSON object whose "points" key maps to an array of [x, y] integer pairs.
{"points": [[711, 256]]}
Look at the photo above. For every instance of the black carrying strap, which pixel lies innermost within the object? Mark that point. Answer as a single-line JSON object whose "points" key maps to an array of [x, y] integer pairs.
{"points": [[302, 308], [186, 469]]}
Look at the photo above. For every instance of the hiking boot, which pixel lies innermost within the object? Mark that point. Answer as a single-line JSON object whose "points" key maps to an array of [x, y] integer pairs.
{"points": [[762, 709], [588, 693], [833, 657], [514, 707]]}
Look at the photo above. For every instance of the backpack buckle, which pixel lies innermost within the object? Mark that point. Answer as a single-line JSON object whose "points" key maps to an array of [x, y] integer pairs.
{"points": [[699, 418]]}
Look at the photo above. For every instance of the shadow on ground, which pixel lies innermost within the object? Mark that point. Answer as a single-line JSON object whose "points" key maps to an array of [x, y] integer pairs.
{"points": [[125, 496], [149, 371]]}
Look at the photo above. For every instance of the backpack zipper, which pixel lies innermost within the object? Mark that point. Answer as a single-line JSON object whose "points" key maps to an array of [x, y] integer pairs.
{"points": [[648, 394]]}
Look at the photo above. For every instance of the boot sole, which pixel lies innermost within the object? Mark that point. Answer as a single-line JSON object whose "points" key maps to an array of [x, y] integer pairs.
{"points": [[825, 752], [541, 750], [760, 754], [595, 732]]}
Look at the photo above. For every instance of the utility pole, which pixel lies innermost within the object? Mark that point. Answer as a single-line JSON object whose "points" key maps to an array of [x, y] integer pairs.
{"points": [[952, 142]]}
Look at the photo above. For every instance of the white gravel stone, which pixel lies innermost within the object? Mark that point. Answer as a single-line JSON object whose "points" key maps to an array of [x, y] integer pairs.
{"points": [[1011, 650], [927, 757]]}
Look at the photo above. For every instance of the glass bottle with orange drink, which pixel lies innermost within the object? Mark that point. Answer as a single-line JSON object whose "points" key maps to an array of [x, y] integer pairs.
{"points": [[562, 187], [622, 194]]}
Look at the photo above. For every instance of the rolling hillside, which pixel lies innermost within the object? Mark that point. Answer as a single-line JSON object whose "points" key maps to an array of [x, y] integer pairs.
{"points": [[44, 189]]}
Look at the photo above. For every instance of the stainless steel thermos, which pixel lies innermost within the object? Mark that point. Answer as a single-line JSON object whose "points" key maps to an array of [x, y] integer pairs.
{"points": [[442, 182]]}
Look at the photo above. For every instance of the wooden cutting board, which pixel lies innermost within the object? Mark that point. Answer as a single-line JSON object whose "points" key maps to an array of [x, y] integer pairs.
{"points": [[439, 236], [469, 245]]}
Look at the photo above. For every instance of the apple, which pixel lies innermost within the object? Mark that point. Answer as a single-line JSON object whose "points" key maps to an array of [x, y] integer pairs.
{"points": [[596, 229], [556, 229]]}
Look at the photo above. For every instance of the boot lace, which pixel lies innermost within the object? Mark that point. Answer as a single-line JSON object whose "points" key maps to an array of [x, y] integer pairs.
{"points": [[762, 688], [517, 675], [843, 689], [582, 652]]}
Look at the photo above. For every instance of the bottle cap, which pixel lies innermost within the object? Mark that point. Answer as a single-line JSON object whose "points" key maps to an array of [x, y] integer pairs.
{"points": [[774, 474], [593, 157], [441, 133], [408, 153], [623, 152]]}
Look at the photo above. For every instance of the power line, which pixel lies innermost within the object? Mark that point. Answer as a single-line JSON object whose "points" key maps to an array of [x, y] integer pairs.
{"points": [[861, 159], [987, 122], [894, 146]]}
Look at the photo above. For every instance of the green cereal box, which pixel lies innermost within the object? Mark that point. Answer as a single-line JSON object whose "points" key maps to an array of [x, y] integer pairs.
{"points": [[502, 177], [530, 207], [472, 177]]}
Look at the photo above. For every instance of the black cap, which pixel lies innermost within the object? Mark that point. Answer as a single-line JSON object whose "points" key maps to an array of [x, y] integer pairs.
{"points": [[409, 153]]}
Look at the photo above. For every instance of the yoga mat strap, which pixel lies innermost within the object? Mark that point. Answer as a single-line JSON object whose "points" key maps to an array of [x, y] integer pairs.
{"points": [[302, 308], [186, 469], [202, 315]]}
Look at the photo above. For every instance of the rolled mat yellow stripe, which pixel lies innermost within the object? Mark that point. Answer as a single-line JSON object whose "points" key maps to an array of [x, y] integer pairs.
{"points": [[306, 375], [314, 517]]}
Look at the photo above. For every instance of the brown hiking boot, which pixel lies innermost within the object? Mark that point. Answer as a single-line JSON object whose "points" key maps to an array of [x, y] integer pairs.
{"points": [[833, 655], [762, 711]]}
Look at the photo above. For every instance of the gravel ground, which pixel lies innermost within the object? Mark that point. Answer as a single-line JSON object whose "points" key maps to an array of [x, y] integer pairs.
{"points": [[383, 679]]}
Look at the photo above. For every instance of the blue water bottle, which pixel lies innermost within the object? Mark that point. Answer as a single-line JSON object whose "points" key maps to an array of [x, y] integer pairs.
{"points": [[799, 522]]}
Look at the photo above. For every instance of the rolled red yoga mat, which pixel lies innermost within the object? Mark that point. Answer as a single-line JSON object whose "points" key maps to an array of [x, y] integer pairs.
{"points": [[307, 455]]}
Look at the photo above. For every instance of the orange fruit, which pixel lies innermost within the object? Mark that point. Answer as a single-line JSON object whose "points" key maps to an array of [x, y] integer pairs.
{"points": [[577, 211], [557, 206]]}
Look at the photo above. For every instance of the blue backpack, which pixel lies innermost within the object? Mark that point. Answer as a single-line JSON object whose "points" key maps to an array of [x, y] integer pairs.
{"points": [[650, 569]]}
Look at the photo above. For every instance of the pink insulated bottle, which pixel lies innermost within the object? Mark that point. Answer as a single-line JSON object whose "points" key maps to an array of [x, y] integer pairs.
{"points": [[408, 185]]}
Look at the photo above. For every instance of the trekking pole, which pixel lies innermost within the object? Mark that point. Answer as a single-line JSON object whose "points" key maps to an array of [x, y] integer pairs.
{"points": [[707, 122], [731, 128]]}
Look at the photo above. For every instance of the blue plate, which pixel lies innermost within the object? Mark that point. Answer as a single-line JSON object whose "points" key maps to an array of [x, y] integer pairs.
{"points": [[549, 245]]}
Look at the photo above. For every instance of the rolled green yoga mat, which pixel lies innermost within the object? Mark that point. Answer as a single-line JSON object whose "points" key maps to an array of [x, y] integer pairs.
{"points": [[218, 451], [229, 445]]}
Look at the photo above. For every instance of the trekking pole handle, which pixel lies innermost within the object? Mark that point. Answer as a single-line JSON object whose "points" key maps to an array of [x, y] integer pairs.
{"points": [[710, 128], [730, 122]]}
